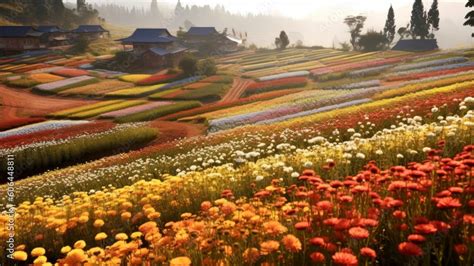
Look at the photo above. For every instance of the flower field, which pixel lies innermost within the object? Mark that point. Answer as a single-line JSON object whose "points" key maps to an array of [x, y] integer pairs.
{"points": [[301, 156]]}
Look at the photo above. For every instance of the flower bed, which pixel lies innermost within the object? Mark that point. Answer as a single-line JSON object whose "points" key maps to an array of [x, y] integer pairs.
{"points": [[218, 79], [356, 85], [105, 109], [275, 84], [429, 74], [135, 109], [100, 88], [136, 91], [69, 83], [134, 78], [156, 79], [158, 112], [431, 63], [70, 72], [285, 75], [39, 127]]}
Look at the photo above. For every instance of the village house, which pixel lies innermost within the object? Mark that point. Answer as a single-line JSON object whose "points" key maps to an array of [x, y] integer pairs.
{"points": [[53, 36], [156, 47], [208, 40], [14, 39], [90, 32]]}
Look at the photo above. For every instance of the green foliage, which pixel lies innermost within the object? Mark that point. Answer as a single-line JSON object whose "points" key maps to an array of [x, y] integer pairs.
{"points": [[419, 25], [389, 30], [81, 45], [188, 64], [207, 67], [372, 41], [355, 24], [158, 112], [282, 41]]}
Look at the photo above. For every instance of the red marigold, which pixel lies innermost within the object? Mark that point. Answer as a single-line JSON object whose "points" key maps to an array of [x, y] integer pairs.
{"points": [[448, 202], [358, 233], [410, 249], [343, 258], [425, 228], [416, 238], [291, 243], [399, 214], [368, 252], [317, 241], [302, 226], [317, 257], [461, 249], [324, 205]]}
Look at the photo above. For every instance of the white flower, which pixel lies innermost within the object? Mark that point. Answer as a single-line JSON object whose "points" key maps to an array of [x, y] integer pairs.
{"points": [[400, 156], [295, 174], [360, 155], [317, 139], [193, 168], [426, 149], [259, 178], [379, 152], [434, 109], [308, 164]]}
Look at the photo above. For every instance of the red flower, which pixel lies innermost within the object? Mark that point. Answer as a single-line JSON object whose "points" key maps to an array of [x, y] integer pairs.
{"points": [[425, 228], [410, 249], [317, 241], [358, 233], [461, 249], [302, 225], [399, 214], [343, 258], [368, 252], [448, 202], [416, 238], [317, 257]]}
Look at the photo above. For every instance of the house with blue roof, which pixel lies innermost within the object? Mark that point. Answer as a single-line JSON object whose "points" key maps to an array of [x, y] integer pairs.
{"points": [[155, 46], [53, 35], [20, 38], [90, 32], [209, 40]]}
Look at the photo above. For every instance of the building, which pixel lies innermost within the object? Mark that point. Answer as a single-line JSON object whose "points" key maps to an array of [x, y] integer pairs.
{"points": [[156, 47], [90, 32], [15, 39], [209, 40], [53, 36], [416, 45]]}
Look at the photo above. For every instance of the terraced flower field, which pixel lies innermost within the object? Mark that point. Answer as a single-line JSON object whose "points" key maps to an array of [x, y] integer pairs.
{"points": [[289, 157]]}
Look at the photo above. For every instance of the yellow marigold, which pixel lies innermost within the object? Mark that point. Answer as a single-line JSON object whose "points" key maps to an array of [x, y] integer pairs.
{"points": [[274, 228], [251, 255], [20, 255], [136, 235], [100, 236], [98, 223], [80, 244], [147, 227], [121, 236], [125, 216], [153, 215], [291, 243], [180, 261], [65, 249], [269, 247], [36, 252], [83, 219], [21, 247], [96, 251], [75, 257], [40, 260]]}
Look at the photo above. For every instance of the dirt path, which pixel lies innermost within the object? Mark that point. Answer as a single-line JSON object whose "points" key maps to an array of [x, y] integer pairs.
{"points": [[238, 88], [35, 105]]}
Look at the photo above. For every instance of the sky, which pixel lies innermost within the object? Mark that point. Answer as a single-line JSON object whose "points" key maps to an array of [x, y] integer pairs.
{"points": [[297, 9]]}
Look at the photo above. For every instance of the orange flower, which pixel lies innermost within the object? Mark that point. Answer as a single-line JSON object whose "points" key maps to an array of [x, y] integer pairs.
{"points": [[291, 243], [317, 257], [251, 255], [410, 249], [206, 205], [147, 227], [269, 247], [448, 202], [358, 233], [302, 226], [180, 261], [343, 258], [274, 228], [317, 241], [368, 252], [416, 238]]}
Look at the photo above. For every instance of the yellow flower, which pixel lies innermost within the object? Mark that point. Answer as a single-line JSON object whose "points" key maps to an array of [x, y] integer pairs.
{"points": [[40, 260], [125, 216], [75, 257], [98, 223], [180, 261], [36, 252], [80, 244], [136, 235], [121, 236], [20, 255], [83, 219], [100, 236], [65, 249], [291, 243]]}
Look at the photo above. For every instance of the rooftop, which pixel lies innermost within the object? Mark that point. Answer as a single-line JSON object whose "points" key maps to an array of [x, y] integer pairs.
{"points": [[157, 35], [89, 29], [202, 31], [19, 31]]}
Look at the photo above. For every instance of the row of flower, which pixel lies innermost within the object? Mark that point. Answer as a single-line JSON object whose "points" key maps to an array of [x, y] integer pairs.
{"points": [[276, 84], [430, 69], [283, 192], [65, 84], [33, 128]]}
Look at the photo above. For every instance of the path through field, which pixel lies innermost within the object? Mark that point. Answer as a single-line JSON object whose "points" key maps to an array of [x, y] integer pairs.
{"points": [[238, 88]]}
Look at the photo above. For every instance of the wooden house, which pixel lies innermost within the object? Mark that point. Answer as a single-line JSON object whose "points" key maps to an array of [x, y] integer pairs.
{"points": [[53, 36], [20, 38], [156, 47], [209, 40], [90, 32]]}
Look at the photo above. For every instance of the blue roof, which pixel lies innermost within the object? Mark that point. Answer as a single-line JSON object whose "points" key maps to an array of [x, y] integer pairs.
{"points": [[49, 29], [18, 31], [202, 31], [89, 29], [159, 35], [163, 52], [416, 45]]}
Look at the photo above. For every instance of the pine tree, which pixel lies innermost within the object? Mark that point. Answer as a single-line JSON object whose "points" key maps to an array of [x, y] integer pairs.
{"points": [[390, 28], [154, 8], [284, 41], [470, 16], [433, 16], [178, 10], [418, 24]]}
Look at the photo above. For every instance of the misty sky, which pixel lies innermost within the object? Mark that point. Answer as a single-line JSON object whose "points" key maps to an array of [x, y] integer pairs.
{"points": [[291, 8]]}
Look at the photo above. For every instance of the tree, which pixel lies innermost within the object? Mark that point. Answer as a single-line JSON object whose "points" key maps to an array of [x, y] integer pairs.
{"points": [[154, 8], [419, 25], [207, 67], [188, 64], [345, 46], [404, 32], [355, 24], [282, 41], [433, 16], [470, 16], [178, 10], [389, 30], [372, 41]]}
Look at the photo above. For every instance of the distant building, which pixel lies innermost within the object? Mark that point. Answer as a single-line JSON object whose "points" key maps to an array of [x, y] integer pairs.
{"points": [[208, 39], [156, 47], [419, 45], [53, 36], [90, 32], [20, 38]]}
